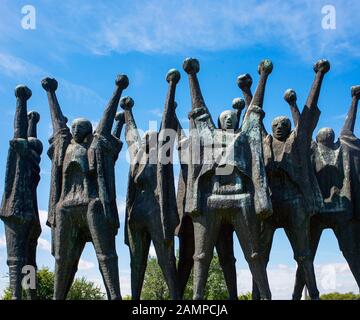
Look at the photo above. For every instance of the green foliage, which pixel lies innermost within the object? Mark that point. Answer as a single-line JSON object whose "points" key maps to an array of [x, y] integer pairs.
{"points": [[340, 296], [81, 289], [155, 287], [246, 296]]}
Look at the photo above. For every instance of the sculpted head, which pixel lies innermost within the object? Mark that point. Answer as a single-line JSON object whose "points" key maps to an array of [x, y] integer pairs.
{"points": [[80, 129], [228, 120], [326, 136], [281, 128]]}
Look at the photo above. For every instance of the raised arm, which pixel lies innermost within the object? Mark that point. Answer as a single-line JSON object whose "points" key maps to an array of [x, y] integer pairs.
{"points": [[311, 113], [321, 67], [22, 94], [33, 119], [239, 105], [58, 120], [265, 68], [107, 120], [132, 136], [244, 82], [349, 125], [199, 112], [169, 118], [290, 97], [119, 124]]}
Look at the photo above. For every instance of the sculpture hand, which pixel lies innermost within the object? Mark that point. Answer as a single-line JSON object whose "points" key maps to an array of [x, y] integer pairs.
{"points": [[22, 92], [322, 66], [34, 117], [126, 103], [290, 96], [191, 66], [244, 81], [238, 104], [49, 84], [265, 66], [355, 92], [122, 81]]}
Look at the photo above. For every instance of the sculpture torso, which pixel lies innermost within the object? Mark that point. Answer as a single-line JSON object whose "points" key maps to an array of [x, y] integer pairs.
{"points": [[328, 163], [75, 187], [281, 185], [145, 185]]}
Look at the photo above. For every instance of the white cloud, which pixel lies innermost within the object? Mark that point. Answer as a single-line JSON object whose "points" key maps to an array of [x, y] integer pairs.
{"points": [[2, 241], [330, 277], [121, 205], [44, 244], [43, 215], [21, 70], [152, 252], [85, 265], [181, 27], [186, 26]]}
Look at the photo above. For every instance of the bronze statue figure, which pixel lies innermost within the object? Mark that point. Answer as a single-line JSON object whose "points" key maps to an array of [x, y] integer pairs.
{"points": [[338, 178], [185, 230], [19, 209], [82, 204], [295, 193], [238, 195], [151, 213]]}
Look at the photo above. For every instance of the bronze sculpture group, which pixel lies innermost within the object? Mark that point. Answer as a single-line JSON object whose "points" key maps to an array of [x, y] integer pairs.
{"points": [[234, 177]]}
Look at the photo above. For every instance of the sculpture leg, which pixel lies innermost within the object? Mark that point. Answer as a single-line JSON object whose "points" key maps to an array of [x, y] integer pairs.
{"points": [[103, 238], [31, 259], [247, 230], [225, 251], [139, 243], [17, 236], [67, 248], [298, 233], [167, 262], [267, 230], [316, 228], [186, 252], [80, 249], [206, 230], [345, 233]]}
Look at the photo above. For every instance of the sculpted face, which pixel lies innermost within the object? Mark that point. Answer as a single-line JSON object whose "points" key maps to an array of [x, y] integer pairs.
{"points": [[228, 119], [80, 129], [281, 128], [326, 136]]}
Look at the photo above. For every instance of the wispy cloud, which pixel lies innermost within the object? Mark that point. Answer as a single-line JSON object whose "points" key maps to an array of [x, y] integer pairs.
{"points": [[330, 277], [2, 241], [17, 68], [85, 265], [181, 27], [44, 244], [152, 252]]}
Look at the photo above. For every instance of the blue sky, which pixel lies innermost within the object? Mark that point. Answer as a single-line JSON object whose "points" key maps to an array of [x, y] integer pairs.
{"points": [[85, 44]]}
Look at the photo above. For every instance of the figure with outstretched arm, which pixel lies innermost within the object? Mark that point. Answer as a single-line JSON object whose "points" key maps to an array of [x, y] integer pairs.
{"points": [[185, 230], [295, 193], [244, 82], [151, 213], [19, 210], [35, 151], [82, 206], [226, 191], [336, 173]]}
